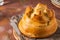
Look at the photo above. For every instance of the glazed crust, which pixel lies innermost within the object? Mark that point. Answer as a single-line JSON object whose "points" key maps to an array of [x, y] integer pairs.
{"points": [[39, 22]]}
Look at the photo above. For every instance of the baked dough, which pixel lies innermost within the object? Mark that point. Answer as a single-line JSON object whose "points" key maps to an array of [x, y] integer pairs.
{"points": [[38, 22]]}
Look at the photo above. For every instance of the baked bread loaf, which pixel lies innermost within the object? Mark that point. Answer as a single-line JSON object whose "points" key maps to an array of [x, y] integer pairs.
{"points": [[38, 22]]}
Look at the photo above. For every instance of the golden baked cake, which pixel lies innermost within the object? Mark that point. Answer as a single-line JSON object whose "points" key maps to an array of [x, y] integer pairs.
{"points": [[38, 22]]}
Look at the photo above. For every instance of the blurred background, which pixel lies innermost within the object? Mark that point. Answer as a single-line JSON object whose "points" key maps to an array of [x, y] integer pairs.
{"points": [[15, 7]]}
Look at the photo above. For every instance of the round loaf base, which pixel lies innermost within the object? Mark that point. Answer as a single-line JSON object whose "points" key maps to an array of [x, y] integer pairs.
{"points": [[17, 37], [23, 37]]}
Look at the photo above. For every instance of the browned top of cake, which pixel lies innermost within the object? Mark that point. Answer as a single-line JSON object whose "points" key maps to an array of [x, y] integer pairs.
{"points": [[40, 13]]}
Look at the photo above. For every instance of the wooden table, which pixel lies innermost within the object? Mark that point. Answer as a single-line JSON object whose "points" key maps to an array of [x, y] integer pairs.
{"points": [[15, 8]]}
